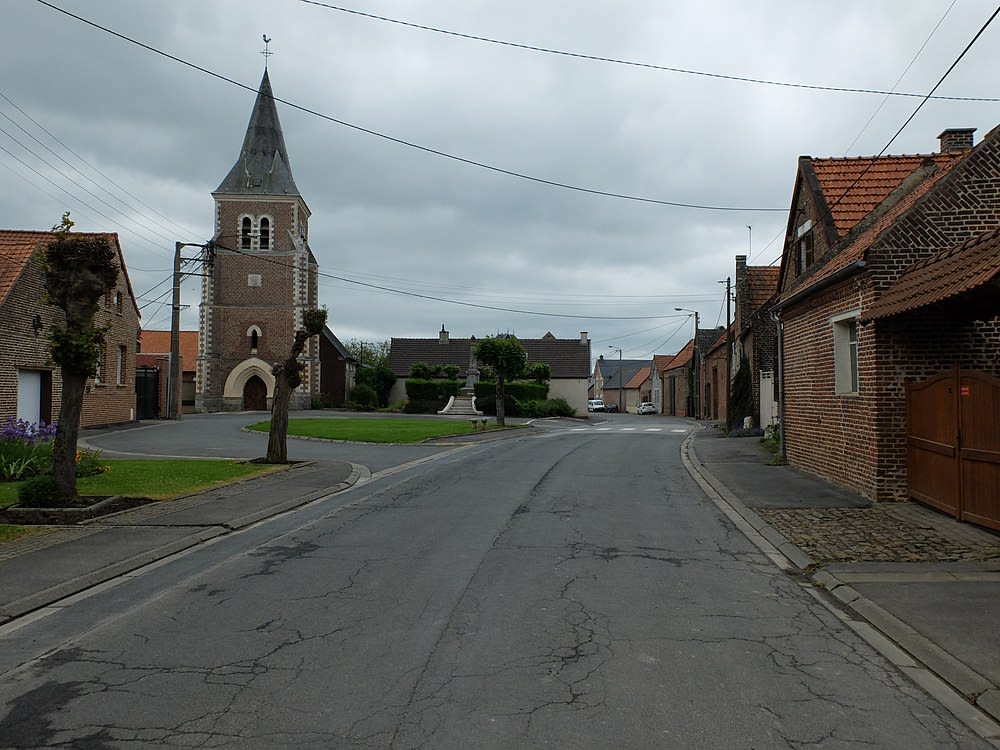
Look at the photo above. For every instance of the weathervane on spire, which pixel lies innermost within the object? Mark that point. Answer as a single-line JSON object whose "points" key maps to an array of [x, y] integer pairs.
{"points": [[267, 52]]}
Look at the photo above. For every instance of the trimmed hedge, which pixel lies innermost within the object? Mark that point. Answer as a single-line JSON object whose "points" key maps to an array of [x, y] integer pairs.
{"points": [[521, 390], [418, 389]]}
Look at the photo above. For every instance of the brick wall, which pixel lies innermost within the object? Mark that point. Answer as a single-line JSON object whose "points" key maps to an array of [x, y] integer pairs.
{"points": [[106, 402], [859, 440]]}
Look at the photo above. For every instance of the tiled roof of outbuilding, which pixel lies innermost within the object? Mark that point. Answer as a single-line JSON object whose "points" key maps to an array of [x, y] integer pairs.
{"points": [[943, 275], [158, 342], [762, 282]]}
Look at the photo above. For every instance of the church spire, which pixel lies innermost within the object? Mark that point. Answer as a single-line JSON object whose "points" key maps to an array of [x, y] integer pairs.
{"points": [[262, 167]]}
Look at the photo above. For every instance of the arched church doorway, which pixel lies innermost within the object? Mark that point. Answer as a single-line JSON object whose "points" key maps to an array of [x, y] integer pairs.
{"points": [[255, 394]]}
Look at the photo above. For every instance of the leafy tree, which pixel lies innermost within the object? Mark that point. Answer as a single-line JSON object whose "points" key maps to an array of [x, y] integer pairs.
{"points": [[540, 372], [422, 371], [506, 357], [79, 271], [379, 378], [369, 352], [288, 377]]}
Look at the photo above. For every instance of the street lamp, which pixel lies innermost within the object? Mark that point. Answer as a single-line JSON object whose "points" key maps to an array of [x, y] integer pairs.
{"points": [[621, 381], [695, 400]]}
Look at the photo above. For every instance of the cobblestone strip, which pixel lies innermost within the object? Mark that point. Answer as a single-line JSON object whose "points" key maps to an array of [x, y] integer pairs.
{"points": [[43, 538], [897, 532]]}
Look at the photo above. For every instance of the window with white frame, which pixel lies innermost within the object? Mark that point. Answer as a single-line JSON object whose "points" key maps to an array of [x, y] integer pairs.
{"points": [[845, 352], [805, 249]]}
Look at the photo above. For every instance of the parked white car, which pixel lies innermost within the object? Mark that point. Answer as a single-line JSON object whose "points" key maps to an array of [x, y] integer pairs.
{"points": [[646, 407], [595, 404]]}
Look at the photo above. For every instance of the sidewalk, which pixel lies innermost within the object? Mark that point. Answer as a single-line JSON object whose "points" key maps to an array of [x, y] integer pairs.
{"points": [[46, 566], [925, 581]]}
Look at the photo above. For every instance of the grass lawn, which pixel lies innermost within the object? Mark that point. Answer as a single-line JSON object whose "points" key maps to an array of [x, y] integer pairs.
{"points": [[8, 532], [374, 430], [158, 479]]}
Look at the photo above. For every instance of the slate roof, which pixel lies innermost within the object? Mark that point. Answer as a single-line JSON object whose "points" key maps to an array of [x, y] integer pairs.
{"points": [[158, 342], [884, 174], [568, 358], [332, 339], [942, 276], [262, 167], [17, 247]]}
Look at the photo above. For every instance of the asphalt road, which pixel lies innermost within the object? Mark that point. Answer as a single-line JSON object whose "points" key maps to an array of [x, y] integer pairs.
{"points": [[569, 588]]}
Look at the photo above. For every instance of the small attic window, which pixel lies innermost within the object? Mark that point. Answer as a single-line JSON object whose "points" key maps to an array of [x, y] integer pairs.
{"points": [[805, 247]]}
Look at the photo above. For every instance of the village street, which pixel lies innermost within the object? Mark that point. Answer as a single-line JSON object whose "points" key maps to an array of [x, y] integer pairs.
{"points": [[567, 587]]}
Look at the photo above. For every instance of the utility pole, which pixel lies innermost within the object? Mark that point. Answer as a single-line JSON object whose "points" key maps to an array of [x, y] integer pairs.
{"points": [[174, 362], [729, 346], [174, 373]]}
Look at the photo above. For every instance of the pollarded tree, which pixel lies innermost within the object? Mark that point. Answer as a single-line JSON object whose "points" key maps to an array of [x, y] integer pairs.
{"points": [[506, 357], [79, 271], [288, 377]]}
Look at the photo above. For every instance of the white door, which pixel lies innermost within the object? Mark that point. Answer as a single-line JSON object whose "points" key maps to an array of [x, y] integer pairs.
{"points": [[29, 395], [767, 405]]}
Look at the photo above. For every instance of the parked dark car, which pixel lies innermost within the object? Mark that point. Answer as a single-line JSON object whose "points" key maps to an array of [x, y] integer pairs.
{"points": [[611, 407]]}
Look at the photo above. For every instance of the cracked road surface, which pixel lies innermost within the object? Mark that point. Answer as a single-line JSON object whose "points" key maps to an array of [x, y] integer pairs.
{"points": [[564, 590]]}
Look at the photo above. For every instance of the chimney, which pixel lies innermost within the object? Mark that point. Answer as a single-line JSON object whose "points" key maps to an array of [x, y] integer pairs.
{"points": [[956, 139], [741, 269], [583, 337], [443, 335]]}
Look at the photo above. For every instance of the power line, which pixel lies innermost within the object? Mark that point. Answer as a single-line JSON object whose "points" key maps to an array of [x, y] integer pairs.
{"points": [[633, 63], [923, 101], [411, 144], [434, 298]]}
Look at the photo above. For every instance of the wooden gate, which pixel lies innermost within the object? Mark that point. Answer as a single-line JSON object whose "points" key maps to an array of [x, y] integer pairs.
{"points": [[953, 445]]}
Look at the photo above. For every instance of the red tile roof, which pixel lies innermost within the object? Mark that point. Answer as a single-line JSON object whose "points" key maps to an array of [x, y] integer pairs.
{"points": [[852, 193], [681, 358], [857, 248], [640, 377], [943, 275], [660, 361], [762, 282], [16, 249], [158, 342]]}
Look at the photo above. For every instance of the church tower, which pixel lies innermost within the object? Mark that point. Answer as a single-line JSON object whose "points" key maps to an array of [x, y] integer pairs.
{"points": [[262, 278]]}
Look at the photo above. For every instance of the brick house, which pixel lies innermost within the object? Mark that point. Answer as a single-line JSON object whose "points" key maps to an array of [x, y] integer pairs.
{"points": [[569, 360], [677, 377], [888, 301], [30, 384], [152, 363], [264, 275], [755, 334], [716, 401], [660, 361]]}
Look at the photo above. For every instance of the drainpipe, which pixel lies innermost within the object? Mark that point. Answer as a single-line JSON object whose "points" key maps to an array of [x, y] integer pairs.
{"points": [[776, 317]]}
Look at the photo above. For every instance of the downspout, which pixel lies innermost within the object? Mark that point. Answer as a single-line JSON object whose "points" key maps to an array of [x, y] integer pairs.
{"points": [[776, 317]]}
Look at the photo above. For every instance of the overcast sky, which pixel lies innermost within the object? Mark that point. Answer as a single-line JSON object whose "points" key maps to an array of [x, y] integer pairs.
{"points": [[390, 215]]}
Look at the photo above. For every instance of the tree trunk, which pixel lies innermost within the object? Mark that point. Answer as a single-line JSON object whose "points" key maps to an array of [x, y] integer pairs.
{"points": [[277, 441], [500, 400], [67, 432]]}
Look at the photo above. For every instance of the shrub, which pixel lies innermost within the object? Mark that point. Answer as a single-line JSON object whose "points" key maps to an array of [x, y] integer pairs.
{"points": [[421, 371], [432, 390], [521, 390], [37, 492], [422, 406], [362, 398], [556, 407], [450, 372], [488, 405], [379, 378]]}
